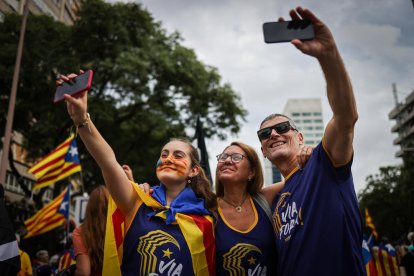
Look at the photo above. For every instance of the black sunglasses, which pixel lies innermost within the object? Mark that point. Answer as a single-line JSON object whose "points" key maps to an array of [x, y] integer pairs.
{"points": [[280, 128]]}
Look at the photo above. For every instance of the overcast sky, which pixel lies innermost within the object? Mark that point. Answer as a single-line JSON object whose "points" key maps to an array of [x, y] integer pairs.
{"points": [[375, 37]]}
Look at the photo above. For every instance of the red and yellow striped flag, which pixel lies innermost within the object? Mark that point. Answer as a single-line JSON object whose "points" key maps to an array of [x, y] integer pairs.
{"points": [[198, 232], [66, 260], [385, 261], [370, 224], [57, 165], [114, 238], [50, 216]]}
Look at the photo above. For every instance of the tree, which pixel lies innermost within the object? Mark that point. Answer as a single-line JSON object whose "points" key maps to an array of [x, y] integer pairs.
{"points": [[389, 196], [147, 87]]}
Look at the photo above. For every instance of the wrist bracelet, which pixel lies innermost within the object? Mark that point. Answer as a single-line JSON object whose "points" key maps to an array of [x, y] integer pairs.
{"points": [[85, 123]]}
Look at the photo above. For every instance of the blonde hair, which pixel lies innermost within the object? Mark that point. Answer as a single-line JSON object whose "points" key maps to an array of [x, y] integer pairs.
{"points": [[254, 185]]}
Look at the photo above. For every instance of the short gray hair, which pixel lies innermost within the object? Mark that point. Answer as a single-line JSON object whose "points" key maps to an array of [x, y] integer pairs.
{"points": [[275, 115]]}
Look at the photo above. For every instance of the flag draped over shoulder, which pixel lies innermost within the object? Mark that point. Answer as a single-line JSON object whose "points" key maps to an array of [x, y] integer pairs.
{"points": [[58, 164], [114, 238], [50, 216], [192, 226], [370, 224]]}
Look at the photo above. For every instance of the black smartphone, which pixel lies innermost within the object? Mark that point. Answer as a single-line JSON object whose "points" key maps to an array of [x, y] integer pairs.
{"points": [[74, 87], [285, 31]]}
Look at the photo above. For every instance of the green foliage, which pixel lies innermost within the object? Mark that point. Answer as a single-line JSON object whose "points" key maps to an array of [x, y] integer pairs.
{"points": [[147, 87], [389, 197]]}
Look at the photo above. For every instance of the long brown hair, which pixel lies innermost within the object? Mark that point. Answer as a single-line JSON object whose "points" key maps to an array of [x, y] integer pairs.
{"points": [[94, 225], [199, 183], [254, 185]]}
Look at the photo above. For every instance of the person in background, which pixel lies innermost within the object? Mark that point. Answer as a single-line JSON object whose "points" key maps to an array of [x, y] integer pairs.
{"points": [[318, 224], [410, 238], [88, 239], [41, 266], [26, 264], [407, 261]]}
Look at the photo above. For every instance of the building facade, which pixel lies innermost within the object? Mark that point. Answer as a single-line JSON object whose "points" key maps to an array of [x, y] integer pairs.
{"points": [[19, 205], [61, 10], [308, 117], [403, 114], [307, 114]]}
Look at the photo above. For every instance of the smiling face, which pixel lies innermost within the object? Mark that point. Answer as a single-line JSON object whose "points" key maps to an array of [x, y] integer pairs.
{"points": [[174, 165], [229, 171], [280, 147]]}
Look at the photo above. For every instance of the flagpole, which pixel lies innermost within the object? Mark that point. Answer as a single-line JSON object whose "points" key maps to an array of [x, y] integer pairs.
{"points": [[82, 183], [12, 101], [68, 218], [369, 239]]}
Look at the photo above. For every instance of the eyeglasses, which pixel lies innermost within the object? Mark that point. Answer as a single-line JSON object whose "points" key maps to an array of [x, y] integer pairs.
{"points": [[235, 157], [280, 128]]}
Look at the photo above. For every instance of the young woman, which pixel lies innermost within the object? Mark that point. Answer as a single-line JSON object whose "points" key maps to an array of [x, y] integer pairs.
{"points": [[88, 239], [170, 231]]}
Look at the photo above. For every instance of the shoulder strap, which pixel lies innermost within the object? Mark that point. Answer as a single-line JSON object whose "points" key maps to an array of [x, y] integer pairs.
{"points": [[261, 200]]}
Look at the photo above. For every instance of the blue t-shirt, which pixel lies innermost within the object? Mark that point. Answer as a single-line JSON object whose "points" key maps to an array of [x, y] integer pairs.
{"points": [[152, 247], [250, 252], [317, 221]]}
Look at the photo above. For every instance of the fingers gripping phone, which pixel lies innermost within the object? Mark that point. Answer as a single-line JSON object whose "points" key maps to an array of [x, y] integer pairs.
{"points": [[74, 87], [285, 31]]}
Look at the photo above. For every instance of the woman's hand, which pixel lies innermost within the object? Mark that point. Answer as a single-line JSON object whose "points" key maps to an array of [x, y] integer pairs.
{"points": [[146, 188], [304, 155], [77, 107]]}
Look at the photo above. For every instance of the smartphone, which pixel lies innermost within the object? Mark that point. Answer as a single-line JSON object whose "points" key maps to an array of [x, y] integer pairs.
{"points": [[74, 87], [285, 31]]}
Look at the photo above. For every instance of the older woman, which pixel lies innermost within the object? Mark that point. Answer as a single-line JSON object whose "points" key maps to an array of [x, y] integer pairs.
{"points": [[244, 236]]}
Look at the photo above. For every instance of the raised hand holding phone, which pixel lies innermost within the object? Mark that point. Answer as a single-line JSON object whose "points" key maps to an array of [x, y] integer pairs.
{"points": [[76, 106], [317, 45], [74, 85], [286, 31], [322, 44]]}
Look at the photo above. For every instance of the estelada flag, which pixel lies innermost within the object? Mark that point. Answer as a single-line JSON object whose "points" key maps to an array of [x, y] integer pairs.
{"points": [[369, 261], [386, 260], [49, 217], [192, 226], [57, 165]]}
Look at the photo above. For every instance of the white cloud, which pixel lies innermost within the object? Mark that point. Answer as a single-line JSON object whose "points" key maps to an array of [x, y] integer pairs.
{"points": [[374, 37]]}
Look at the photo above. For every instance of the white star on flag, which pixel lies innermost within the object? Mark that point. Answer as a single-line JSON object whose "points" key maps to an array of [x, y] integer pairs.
{"points": [[63, 205], [389, 247], [73, 151]]}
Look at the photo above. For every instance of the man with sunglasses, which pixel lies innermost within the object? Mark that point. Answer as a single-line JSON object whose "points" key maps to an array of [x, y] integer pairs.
{"points": [[316, 216]]}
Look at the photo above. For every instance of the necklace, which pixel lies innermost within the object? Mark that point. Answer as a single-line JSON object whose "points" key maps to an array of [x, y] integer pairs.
{"points": [[237, 207]]}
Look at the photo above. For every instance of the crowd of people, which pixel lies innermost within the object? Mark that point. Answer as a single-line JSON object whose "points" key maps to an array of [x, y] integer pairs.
{"points": [[183, 227]]}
